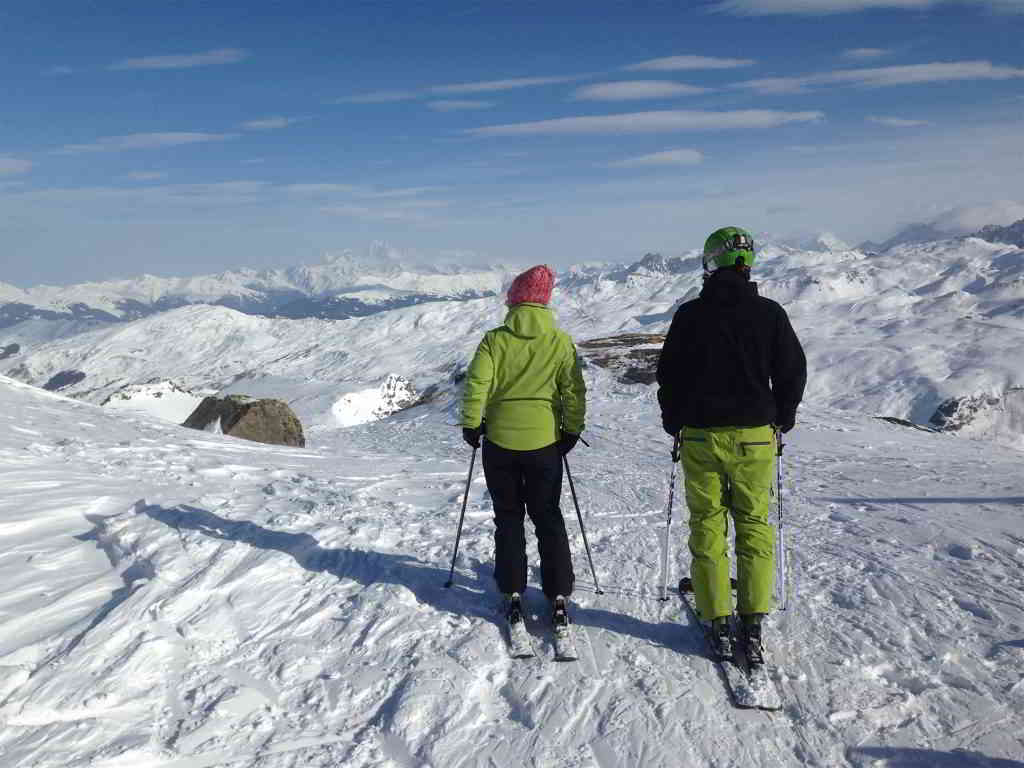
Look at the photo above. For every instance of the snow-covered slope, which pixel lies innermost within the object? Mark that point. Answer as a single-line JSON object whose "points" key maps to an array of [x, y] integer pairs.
{"points": [[896, 334], [174, 599]]}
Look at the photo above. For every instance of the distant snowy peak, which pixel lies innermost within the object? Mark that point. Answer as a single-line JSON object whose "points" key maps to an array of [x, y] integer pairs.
{"points": [[321, 290], [822, 242], [909, 235]]}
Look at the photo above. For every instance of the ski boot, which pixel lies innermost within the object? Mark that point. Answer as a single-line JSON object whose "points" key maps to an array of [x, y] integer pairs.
{"points": [[560, 614], [721, 638], [752, 640], [513, 608]]}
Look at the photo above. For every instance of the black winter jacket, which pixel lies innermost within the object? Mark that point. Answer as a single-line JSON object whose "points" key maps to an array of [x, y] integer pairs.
{"points": [[731, 359]]}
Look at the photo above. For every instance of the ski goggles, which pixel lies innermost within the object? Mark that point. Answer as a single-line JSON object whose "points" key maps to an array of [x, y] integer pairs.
{"points": [[739, 242]]}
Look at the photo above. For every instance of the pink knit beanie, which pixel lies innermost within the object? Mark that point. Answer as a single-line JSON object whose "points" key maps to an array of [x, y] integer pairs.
{"points": [[534, 285]]}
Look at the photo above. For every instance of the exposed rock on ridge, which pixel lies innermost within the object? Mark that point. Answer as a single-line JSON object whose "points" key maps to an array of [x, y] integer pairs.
{"points": [[633, 357], [263, 421]]}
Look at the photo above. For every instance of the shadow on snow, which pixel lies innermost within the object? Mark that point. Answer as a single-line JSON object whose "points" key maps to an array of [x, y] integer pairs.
{"points": [[902, 757], [928, 500], [365, 567], [425, 581]]}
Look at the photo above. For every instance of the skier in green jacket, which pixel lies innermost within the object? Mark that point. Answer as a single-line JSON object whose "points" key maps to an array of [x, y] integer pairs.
{"points": [[731, 375], [525, 395]]}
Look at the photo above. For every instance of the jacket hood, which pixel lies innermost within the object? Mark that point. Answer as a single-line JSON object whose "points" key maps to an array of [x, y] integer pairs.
{"points": [[530, 320], [727, 286]]}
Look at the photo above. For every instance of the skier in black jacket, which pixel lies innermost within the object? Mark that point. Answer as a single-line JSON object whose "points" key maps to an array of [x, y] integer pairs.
{"points": [[731, 373]]}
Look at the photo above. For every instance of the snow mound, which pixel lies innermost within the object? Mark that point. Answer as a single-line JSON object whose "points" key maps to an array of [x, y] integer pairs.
{"points": [[166, 400], [394, 394]]}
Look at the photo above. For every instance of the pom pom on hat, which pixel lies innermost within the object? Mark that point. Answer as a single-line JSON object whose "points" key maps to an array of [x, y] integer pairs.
{"points": [[533, 286]]}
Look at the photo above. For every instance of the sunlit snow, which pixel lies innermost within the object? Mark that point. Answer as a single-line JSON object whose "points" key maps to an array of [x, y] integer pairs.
{"points": [[179, 599]]}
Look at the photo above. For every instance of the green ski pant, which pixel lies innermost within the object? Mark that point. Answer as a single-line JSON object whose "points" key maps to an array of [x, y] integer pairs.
{"points": [[730, 469]]}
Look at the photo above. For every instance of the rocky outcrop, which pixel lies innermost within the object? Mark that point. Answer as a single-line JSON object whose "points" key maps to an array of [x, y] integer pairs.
{"points": [[963, 413], [64, 379], [998, 418], [9, 351], [1011, 235], [263, 421], [633, 357]]}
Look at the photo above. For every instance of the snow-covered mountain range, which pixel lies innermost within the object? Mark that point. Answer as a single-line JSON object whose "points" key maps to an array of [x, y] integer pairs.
{"points": [[902, 333], [344, 286]]}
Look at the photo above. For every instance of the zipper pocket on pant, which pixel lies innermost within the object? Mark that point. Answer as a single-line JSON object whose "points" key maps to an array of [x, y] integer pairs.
{"points": [[743, 446]]}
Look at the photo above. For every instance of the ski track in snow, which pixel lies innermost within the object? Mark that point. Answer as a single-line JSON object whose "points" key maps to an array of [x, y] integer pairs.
{"points": [[174, 599]]}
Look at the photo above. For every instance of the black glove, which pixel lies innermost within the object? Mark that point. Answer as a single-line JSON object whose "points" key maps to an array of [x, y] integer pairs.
{"points": [[671, 430], [472, 435], [787, 425], [568, 442]]}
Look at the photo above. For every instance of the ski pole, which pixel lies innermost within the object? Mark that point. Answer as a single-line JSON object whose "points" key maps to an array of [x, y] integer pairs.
{"points": [[668, 520], [781, 562], [462, 516], [572, 488]]}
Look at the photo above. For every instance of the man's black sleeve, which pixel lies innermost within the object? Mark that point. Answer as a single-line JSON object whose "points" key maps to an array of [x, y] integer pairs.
{"points": [[789, 370], [670, 364]]}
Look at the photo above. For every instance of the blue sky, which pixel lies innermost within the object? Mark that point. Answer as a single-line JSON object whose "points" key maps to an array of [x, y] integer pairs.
{"points": [[185, 137]]}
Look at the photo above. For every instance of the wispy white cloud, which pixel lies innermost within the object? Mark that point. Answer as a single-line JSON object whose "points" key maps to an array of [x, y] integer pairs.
{"points": [[821, 7], [677, 63], [882, 77], [896, 122], [414, 214], [488, 86], [457, 105], [664, 121], [223, 193], [184, 61], [11, 166], [379, 97], [59, 71], [455, 89], [627, 90], [323, 189], [864, 54], [145, 176], [405, 192], [271, 123], [670, 157], [358, 191], [971, 218], [144, 141]]}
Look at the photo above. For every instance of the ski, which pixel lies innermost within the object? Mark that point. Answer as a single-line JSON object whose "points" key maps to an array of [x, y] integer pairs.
{"points": [[748, 688], [564, 636], [520, 645]]}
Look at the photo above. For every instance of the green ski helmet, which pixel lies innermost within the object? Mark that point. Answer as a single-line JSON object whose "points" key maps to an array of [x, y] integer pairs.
{"points": [[728, 246]]}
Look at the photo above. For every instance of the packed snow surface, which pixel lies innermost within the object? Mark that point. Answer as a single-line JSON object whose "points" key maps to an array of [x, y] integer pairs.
{"points": [[176, 599]]}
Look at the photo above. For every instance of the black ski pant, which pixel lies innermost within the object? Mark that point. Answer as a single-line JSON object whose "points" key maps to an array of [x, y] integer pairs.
{"points": [[528, 483]]}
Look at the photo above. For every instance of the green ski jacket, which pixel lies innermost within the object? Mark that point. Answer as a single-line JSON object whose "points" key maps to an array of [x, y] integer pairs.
{"points": [[525, 382]]}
